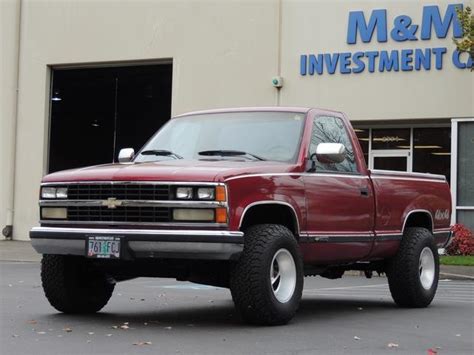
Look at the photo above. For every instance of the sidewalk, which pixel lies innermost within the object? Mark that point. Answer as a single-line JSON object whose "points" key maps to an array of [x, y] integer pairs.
{"points": [[14, 250]]}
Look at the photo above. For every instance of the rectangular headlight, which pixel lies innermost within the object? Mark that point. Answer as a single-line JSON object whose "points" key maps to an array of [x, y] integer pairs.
{"points": [[48, 192], [61, 192], [184, 193], [53, 213], [188, 214], [206, 193]]}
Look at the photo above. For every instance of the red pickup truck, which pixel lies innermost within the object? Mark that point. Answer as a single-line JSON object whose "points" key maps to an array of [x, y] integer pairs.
{"points": [[250, 199]]}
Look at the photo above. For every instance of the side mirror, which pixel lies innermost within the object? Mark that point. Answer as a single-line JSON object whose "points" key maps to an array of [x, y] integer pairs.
{"points": [[126, 155], [328, 153]]}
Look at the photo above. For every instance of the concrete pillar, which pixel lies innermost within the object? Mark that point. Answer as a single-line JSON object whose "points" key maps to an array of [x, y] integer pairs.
{"points": [[10, 41]]}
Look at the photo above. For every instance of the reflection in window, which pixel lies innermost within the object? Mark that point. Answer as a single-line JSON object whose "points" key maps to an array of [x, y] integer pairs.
{"points": [[364, 135], [332, 130], [391, 138], [432, 151]]}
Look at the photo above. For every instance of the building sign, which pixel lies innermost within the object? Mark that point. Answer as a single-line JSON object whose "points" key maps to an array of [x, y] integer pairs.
{"points": [[434, 23]]}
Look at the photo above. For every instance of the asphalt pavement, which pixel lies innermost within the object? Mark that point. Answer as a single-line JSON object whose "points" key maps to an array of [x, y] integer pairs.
{"points": [[352, 315]]}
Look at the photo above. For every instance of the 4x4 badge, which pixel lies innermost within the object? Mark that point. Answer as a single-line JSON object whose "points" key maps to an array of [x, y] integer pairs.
{"points": [[112, 203]]}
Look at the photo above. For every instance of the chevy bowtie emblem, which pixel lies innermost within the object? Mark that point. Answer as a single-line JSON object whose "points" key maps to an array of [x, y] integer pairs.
{"points": [[111, 203]]}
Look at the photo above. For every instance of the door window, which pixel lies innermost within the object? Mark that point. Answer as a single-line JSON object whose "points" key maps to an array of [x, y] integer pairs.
{"points": [[327, 129]]}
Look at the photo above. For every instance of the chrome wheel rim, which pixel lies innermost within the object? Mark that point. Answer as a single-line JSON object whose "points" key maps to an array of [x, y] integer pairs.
{"points": [[283, 275], [427, 268]]}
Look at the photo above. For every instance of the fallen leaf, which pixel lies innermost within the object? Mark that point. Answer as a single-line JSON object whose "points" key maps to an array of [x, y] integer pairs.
{"points": [[356, 338], [32, 321], [67, 330], [141, 343], [392, 345]]}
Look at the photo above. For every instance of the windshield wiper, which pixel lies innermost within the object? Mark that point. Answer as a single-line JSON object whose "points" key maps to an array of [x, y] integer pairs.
{"points": [[160, 152], [228, 153]]}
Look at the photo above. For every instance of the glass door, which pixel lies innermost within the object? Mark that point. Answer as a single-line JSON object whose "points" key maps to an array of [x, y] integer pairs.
{"points": [[398, 160]]}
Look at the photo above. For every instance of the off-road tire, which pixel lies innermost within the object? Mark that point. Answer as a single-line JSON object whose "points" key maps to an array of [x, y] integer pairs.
{"points": [[250, 283], [72, 285], [403, 270]]}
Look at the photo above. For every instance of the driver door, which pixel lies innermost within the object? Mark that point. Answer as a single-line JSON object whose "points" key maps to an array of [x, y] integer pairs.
{"points": [[339, 200]]}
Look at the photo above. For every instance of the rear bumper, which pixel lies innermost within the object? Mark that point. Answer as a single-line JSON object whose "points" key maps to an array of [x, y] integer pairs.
{"points": [[138, 243]]}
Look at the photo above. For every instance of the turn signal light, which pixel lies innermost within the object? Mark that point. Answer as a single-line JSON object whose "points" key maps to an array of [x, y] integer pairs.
{"points": [[221, 215], [220, 193]]}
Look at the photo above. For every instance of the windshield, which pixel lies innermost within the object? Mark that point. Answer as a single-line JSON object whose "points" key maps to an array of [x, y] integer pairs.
{"points": [[246, 136]]}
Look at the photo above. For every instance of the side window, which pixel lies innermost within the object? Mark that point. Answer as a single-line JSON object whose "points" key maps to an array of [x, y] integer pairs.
{"points": [[331, 130]]}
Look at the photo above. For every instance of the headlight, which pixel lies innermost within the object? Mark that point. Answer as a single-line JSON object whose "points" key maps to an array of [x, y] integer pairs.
{"points": [[53, 192], [206, 193], [184, 193]]}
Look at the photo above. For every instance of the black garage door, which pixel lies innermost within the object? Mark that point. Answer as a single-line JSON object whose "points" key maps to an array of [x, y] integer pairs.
{"points": [[96, 112]]}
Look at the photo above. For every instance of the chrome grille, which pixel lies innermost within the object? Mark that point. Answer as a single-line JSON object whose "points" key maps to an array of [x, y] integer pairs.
{"points": [[119, 214], [118, 191]]}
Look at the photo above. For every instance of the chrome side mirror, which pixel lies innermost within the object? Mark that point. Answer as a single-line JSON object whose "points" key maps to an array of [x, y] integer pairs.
{"points": [[328, 153], [126, 155]]}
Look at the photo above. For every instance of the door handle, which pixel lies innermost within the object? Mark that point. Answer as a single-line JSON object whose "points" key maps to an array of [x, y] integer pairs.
{"points": [[364, 191]]}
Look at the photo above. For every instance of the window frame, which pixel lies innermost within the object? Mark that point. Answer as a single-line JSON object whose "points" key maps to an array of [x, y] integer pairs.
{"points": [[349, 137]]}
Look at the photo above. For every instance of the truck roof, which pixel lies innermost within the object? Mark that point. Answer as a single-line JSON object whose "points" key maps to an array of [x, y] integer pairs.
{"points": [[250, 109]]}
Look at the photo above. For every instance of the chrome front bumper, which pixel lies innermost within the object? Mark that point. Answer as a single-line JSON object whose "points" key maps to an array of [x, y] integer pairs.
{"points": [[142, 243]]}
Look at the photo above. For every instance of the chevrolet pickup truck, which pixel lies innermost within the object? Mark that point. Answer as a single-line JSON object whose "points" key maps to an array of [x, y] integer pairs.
{"points": [[252, 199]]}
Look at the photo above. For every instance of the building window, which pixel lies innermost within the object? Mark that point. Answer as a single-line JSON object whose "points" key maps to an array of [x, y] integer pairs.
{"points": [[425, 149], [432, 150]]}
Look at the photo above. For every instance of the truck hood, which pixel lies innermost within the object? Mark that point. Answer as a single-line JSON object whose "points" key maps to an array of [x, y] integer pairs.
{"points": [[176, 170]]}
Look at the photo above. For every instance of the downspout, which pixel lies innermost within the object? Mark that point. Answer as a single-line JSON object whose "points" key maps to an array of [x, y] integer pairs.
{"points": [[279, 20], [7, 231]]}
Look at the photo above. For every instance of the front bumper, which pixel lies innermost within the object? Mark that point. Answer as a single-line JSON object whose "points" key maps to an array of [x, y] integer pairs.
{"points": [[142, 243]]}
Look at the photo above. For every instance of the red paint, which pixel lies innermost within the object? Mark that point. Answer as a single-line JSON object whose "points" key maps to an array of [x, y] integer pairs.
{"points": [[325, 204]]}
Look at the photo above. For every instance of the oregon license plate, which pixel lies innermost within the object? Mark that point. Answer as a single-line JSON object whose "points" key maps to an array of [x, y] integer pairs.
{"points": [[103, 247]]}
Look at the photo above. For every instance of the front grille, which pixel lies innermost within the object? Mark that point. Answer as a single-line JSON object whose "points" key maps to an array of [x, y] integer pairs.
{"points": [[118, 191], [119, 214]]}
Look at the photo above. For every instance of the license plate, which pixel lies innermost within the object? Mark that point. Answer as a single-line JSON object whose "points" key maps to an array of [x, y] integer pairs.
{"points": [[103, 247]]}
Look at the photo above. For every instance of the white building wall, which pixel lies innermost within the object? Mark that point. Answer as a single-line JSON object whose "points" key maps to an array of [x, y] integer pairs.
{"points": [[312, 27], [224, 53], [9, 39]]}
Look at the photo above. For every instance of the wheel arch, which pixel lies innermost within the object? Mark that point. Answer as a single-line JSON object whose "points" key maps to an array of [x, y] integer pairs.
{"points": [[270, 211], [418, 218]]}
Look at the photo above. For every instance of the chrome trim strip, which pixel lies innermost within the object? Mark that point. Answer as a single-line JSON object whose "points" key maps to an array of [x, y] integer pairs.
{"points": [[112, 223], [139, 231], [140, 182], [270, 202], [409, 175], [405, 178], [353, 176], [414, 211], [135, 203]]}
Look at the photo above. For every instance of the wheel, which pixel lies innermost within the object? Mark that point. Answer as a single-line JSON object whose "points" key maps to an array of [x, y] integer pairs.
{"points": [[72, 285], [267, 281], [414, 272]]}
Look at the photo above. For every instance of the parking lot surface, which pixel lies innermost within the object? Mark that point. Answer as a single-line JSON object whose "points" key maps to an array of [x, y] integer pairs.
{"points": [[352, 315]]}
